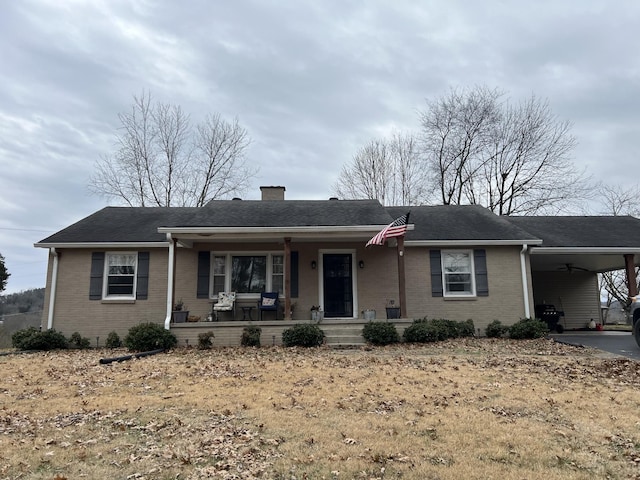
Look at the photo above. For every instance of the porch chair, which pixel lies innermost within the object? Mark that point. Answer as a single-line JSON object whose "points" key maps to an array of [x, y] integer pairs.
{"points": [[269, 302], [226, 303]]}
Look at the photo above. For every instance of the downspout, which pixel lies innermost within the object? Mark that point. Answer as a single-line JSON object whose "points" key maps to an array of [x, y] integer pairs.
{"points": [[52, 290], [525, 283], [170, 269]]}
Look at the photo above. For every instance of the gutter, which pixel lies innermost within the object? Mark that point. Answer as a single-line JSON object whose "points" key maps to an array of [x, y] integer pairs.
{"points": [[170, 278], [525, 283], [54, 285]]}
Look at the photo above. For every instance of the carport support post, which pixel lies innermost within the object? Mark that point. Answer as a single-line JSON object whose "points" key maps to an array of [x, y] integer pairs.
{"points": [[631, 274]]}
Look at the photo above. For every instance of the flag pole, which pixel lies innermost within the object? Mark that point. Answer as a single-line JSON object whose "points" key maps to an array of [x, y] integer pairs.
{"points": [[401, 277]]}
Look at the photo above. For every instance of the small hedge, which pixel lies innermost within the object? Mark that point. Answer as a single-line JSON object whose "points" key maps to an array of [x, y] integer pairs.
{"points": [[205, 340], [78, 341], [149, 336], [303, 335], [113, 340], [528, 328], [496, 330], [380, 333], [33, 339], [426, 331], [251, 336]]}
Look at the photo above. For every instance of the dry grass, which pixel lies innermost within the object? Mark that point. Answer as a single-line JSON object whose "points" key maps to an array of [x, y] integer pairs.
{"points": [[460, 409]]}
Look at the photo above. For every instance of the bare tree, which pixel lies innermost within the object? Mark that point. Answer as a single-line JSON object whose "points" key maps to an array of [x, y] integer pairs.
{"points": [[514, 159], [388, 170], [456, 130], [617, 201], [527, 168], [161, 160]]}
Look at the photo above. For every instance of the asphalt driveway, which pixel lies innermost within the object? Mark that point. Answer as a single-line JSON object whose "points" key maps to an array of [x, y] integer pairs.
{"points": [[618, 343]]}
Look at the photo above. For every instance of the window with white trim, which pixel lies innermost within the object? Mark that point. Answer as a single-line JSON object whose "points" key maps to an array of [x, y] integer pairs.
{"points": [[247, 274], [457, 273], [120, 275]]}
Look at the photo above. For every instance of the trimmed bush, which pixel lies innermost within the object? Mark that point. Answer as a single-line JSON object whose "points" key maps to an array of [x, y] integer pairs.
{"points": [[33, 339], [149, 336], [380, 333], [426, 331], [496, 330], [78, 341], [528, 328], [303, 335], [205, 340], [466, 328], [113, 340], [422, 331], [251, 336]]}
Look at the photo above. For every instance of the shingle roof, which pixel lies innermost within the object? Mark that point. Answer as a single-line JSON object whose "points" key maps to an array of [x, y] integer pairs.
{"points": [[459, 222], [140, 224], [586, 231]]}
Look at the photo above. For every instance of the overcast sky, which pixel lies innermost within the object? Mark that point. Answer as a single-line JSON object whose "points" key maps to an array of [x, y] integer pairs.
{"points": [[311, 81]]}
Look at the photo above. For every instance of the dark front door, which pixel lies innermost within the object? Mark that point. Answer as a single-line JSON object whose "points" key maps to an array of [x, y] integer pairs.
{"points": [[338, 285]]}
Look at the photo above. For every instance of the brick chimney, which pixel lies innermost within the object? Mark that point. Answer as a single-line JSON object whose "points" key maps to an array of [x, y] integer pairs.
{"points": [[272, 193]]}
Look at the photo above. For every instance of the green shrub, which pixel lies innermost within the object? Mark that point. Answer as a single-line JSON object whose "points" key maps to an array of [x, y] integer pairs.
{"points": [[528, 328], [149, 336], [33, 339], [113, 340], [380, 333], [496, 330], [466, 328], [422, 331], [251, 336], [78, 341], [438, 329], [205, 340], [21, 336], [303, 335]]}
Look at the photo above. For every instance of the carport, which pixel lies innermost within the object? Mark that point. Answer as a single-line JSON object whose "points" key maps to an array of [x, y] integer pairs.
{"points": [[565, 267]]}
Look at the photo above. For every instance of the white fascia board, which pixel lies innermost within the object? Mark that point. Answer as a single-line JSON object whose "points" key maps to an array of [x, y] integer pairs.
{"points": [[470, 243], [132, 245], [356, 229], [583, 250]]}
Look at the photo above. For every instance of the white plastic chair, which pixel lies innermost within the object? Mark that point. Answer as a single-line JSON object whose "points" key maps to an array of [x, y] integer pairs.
{"points": [[226, 303]]}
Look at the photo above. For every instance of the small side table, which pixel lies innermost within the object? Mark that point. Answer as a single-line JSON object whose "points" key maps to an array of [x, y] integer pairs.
{"points": [[247, 311]]}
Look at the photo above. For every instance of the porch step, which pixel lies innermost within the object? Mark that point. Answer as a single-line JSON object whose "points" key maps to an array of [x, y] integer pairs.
{"points": [[343, 335]]}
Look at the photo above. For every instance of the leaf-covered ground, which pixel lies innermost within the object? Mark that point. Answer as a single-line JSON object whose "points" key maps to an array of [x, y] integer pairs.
{"points": [[474, 408]]}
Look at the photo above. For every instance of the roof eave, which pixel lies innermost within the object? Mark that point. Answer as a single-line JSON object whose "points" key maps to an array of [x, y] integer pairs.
{"points": [[101, 245], [469, 243]]}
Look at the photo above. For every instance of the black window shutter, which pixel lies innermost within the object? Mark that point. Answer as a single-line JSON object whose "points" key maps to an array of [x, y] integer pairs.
{"points": [[204, 266], [482, 278], [97, 273], [294, 274], [436, 273], [142, 284]]}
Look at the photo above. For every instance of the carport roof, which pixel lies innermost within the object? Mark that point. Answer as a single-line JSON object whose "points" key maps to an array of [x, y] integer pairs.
{"points": [[583, 231]]}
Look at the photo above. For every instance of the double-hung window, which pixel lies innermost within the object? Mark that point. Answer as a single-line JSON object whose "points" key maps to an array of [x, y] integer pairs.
{"points": [[247, 274], [457, 273], [120, 275]]}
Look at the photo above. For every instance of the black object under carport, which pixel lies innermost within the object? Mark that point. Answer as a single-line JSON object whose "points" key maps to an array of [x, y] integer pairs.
{"points": [[548, 313]]}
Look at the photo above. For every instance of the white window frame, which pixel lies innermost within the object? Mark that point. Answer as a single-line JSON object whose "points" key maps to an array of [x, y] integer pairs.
{"points": [[229, 266], [105, 278], [472, 274]]}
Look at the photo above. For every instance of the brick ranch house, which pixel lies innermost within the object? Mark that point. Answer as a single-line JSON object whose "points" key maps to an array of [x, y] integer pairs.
{"points": [[125, 265]]}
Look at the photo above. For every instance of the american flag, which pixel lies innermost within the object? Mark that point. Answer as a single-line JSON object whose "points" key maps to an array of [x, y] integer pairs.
{"points": [[397, 228]]}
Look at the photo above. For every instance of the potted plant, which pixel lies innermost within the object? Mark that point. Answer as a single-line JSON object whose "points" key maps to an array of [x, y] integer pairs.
{"points": [[316, 313], [179, 314], [369, 314], [393, 311]]}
